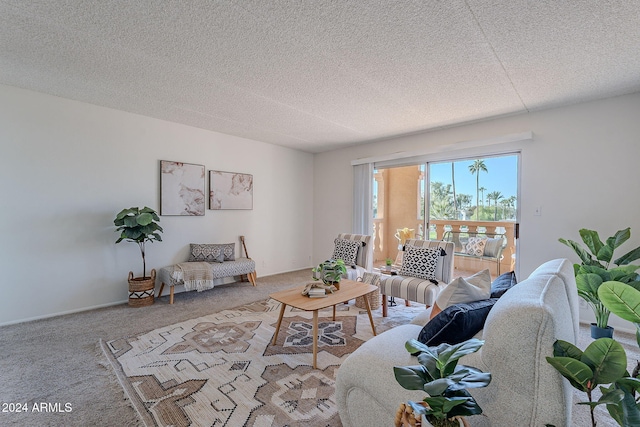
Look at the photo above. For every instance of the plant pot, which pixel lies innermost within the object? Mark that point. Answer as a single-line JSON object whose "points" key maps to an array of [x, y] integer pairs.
{"points": [[454, 422], [597, 332], [406, 418], [141, 289], [336, 284]]}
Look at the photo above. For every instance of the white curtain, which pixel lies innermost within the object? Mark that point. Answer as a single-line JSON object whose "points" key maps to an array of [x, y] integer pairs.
{"points": [[362, 199]]}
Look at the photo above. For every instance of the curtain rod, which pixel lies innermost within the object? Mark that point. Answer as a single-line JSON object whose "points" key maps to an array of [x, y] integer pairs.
{"points": [[513, 137]]}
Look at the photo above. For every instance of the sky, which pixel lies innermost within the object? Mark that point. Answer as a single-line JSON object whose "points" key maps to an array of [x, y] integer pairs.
{"points": [[501, 176]]}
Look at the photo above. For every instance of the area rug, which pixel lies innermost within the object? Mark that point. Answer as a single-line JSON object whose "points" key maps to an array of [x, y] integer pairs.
{"points": [[222, 370]]}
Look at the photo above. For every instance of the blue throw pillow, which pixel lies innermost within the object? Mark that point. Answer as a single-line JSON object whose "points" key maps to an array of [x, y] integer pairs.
{"points": [[456, 323], [502, 284]]}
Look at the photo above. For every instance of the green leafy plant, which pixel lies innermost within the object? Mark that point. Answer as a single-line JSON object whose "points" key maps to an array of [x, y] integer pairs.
{"points": [[623, 300], [603, 362], [388, 262], [139, 226], [444, 381], [598, 267], [329, 271]]}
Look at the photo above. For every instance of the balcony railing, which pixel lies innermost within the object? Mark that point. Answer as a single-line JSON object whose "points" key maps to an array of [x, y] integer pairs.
{"points": [[383, 248]]}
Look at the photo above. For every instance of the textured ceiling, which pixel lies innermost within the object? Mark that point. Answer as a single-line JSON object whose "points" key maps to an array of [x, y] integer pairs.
{"points": [[320, 74]]}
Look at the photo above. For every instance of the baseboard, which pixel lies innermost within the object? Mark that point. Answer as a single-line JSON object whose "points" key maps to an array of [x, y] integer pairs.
{"points": [[178, 289], [62, 313]]}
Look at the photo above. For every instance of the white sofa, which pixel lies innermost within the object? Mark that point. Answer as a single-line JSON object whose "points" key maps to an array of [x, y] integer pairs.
{"points": [[519, 333]]}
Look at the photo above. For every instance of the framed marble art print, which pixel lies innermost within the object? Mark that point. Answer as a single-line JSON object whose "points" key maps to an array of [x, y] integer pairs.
{"points": [[181, 189], [230, 190]]}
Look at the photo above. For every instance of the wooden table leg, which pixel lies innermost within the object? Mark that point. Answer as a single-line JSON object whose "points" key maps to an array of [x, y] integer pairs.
{"points": [[275, 336], [334, 313], [384, 306], [366, 303], [315, 339]]}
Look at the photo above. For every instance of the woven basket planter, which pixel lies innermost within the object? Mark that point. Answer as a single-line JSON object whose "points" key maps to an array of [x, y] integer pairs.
{"points": [[373, 298], [141, 290]]}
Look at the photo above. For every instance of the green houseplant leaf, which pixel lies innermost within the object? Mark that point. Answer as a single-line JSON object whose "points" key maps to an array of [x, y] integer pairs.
{"points": [[596, 259], [443, 379], [139, 226], [621, 299], [607, 359], [603, 362]]}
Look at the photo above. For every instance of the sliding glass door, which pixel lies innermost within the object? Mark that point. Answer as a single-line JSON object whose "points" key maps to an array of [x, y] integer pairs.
{"points": [[474, 195]]}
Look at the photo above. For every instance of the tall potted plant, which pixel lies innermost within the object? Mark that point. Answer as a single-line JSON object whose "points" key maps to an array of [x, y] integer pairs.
{"points": [[604, 361], [598, 267], [139, 226], [444, 381]]}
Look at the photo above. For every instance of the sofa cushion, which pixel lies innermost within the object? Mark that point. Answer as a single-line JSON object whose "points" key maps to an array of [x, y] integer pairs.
{"points": [[420, 262], [492, 247], [475, 246], [503, 283], [456, 323], [461, 290], [346, 250]]}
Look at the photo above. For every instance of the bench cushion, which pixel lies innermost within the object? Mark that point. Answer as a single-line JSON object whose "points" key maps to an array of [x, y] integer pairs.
{"points": [[238, 267]]}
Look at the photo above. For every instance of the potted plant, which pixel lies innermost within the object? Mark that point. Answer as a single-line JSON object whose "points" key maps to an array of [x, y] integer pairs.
{"points": [[444, 381], [388, 262], [139, 226], [597, 267], [330, 272], [603, 362]]}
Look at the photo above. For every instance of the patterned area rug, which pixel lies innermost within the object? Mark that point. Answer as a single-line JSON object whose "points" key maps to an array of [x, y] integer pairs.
{"points": [[221, 369]]}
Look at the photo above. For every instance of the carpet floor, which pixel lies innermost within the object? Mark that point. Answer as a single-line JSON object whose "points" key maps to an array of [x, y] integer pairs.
{"points": [[222, 369], [56, 369]]}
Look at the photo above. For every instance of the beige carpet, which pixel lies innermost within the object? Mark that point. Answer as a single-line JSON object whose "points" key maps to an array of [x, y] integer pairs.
{"points": [[222, 369]]}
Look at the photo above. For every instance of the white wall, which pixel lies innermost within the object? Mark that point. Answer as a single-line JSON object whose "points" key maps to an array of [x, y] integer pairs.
{"points": [[581, 168], [69, 167]]}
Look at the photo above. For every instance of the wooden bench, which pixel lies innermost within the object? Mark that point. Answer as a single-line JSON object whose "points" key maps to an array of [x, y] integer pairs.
{"points": [[245, 268], [494, 245]]}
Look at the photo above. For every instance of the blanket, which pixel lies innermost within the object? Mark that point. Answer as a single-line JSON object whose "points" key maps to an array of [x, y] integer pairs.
{"points": [[195, 275]]}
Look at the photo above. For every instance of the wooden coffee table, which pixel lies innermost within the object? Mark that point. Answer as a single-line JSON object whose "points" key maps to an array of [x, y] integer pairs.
{"points": [[348, 290]]}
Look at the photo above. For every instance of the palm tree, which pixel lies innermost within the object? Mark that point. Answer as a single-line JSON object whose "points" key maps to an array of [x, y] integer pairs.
{"points": [[475, 168], [482, 190], [495, 195], [453, 181], [512, 205], [506, 204], [441, 206]]}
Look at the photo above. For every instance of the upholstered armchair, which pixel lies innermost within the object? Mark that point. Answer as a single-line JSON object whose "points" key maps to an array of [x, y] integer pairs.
{"points": [[364, 257], [422, 274]]}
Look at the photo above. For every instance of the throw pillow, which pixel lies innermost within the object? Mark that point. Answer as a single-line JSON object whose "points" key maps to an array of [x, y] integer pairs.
{"points": [[492, 247], [205, 252], [420, 262], [211, 252], [463, 290], [456, 323], [346, 250], [229, 250], [475, 246], [503, 283]]}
